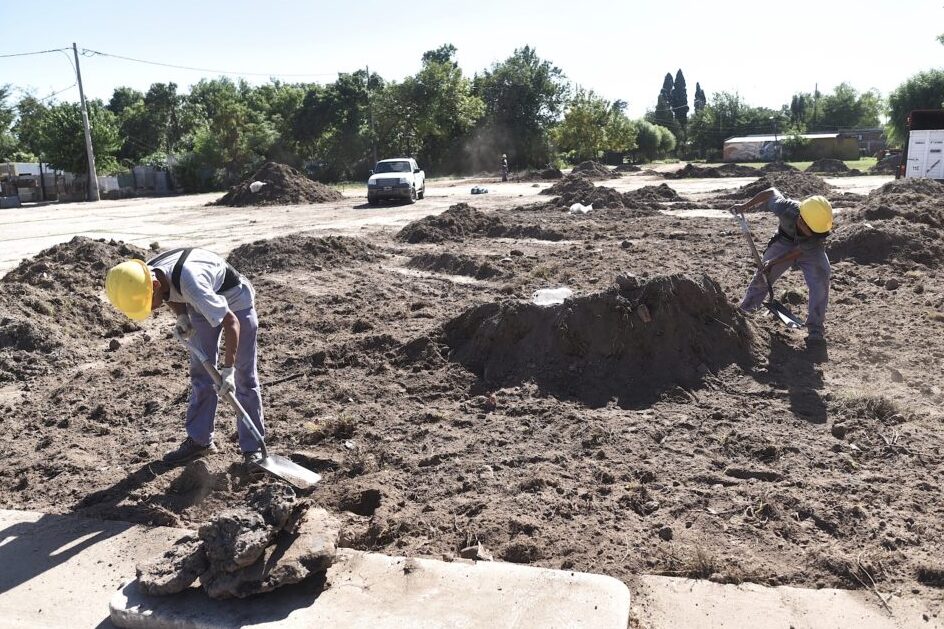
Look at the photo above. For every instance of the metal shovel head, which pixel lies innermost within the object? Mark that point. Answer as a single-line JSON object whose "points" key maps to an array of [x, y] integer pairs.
{"points": [[785, 316], [289, 471]]}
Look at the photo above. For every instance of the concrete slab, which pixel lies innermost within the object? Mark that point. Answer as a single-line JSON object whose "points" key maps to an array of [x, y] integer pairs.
{"points": [[61, 571], [379, 591], [675, 603]]}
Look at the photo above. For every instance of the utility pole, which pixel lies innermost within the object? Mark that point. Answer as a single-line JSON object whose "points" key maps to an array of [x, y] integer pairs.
{"points": [[93, 194], [370, 114]]}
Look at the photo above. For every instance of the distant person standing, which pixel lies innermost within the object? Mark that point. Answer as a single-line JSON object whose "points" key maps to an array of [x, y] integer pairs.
{"points": [[504, 167]]}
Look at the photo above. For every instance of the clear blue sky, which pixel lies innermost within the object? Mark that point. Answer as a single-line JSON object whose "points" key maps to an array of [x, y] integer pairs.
{"points": [[765, 51]]}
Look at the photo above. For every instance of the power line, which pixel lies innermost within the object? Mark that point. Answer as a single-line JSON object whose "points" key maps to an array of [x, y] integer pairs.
{"points": [[56, 93], [38, 52], [89, 53]]}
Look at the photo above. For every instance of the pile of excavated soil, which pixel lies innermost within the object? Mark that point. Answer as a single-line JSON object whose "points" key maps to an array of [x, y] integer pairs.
{"points": [[570, 183], [594, 170], [691, 171], [627, 168], [795, 185], [50, 306], [916, 200], [660, 193], [888, 165], [276, 540], [283, 186], [301, 252], [540, 175], [629, 345], [887, 241], [460, 221], [778, 167], [827, 166], [453, 264], [463, 221]]}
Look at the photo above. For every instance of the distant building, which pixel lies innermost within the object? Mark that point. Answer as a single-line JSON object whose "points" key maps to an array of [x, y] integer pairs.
{"points": [[767, 148], [871, 141]]}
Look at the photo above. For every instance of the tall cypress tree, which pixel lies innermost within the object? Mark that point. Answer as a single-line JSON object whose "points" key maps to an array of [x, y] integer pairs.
{"points": [[663, 114], [700, 101], [680, 100]]}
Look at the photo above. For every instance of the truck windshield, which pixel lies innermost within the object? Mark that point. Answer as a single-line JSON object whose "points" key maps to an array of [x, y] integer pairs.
{"points": [[393, 167]]}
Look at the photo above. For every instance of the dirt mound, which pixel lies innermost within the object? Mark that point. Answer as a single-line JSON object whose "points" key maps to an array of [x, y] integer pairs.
{"points": [[551, 173], [627, 168], [827, 166], [453, 264], [662, 192], [891, 241], [283, 186], [915, 200], [51, 309], [457, 223], [593, 171], [298, 251], [795, 185], [540, 175], [631, 345], [888, 165], [691, 171], [778, 167], [571, 183]]}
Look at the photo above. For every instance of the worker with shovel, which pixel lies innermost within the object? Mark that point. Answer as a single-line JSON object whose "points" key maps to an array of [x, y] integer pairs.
{"points": [[800, 242], [209, 297]]}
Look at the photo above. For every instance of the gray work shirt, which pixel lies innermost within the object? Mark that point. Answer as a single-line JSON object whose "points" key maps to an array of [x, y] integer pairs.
{"points": [[201, 276], [788, 210]]}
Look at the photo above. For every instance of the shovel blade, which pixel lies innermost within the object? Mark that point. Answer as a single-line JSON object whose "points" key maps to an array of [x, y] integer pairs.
{"points": [[782, 313], [289, 471]]}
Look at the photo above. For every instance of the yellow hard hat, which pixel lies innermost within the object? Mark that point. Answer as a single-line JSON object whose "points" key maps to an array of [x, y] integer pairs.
{"points": [[817, 213], [129, 289]]}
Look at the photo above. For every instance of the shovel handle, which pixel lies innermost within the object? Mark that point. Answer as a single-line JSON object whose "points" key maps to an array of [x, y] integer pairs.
{"points": [[229, 397], [746, 230]]}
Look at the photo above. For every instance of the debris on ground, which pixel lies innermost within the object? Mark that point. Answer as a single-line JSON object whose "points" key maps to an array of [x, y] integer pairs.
{"points": [[277, 540], [888, 165], [283, 185]]}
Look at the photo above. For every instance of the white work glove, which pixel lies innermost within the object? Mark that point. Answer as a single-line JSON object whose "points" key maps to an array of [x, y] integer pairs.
{"points": [[228, 381], [183, 326]]}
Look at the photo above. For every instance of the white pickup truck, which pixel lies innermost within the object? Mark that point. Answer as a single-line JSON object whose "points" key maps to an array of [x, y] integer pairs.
{"points": [[398, 178]]}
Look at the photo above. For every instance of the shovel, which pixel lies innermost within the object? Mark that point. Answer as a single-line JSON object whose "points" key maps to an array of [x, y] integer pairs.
{"points": [[781, 311], [286, 469]]}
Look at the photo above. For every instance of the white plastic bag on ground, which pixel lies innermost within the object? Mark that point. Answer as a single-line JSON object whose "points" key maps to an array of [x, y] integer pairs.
{"points": [[551, 296], [580, 208], [256, 186]]}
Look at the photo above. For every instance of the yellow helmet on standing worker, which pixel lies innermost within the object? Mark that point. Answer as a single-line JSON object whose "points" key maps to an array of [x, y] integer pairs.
{"points": [[129, 288], [817, 213]]}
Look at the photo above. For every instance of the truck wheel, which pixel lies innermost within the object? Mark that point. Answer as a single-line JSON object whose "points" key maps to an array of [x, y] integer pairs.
{"points": [[421, 193], [371, 200], [413, 195]]}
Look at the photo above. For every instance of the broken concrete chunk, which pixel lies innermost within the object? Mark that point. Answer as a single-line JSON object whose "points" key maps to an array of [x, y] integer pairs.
{"points": [[293, 558], [276, 503], [235, 539], [175, 570]]}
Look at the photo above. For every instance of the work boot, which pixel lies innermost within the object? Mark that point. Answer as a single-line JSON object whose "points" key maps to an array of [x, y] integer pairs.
{"points": [[815, 337], [188, 451]]}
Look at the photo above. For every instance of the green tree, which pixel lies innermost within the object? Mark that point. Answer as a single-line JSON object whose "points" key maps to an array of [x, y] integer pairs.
{"points": [[621, 133], [924, 90], [663, 112], [700, 100], [648, 139], [62, 137], [122, 98], [8, 144], [524, 96], [846, 108], [679, 100], [582, 132], [30, 113]]}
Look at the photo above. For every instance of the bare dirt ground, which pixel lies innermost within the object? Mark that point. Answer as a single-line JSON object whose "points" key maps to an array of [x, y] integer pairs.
{"points": [[640, 428]]}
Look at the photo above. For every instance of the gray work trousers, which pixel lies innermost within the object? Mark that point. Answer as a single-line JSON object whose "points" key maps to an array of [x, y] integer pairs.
{"points": [[201, 412], [816, 272]]}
